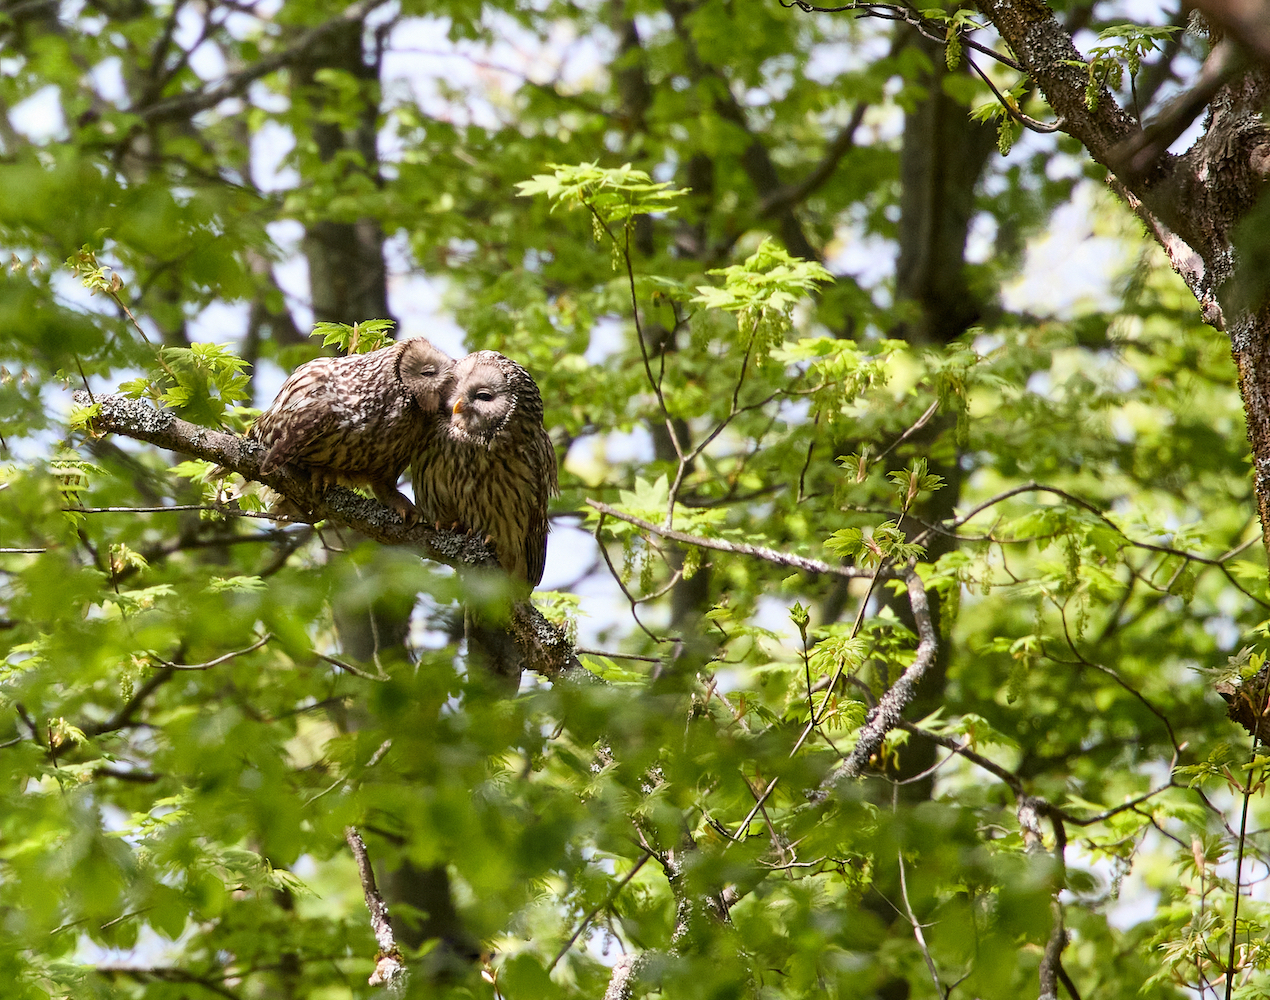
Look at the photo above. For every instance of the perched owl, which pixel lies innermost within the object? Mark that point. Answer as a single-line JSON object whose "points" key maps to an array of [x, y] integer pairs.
{"points": [[491, 467], [358, 420]]}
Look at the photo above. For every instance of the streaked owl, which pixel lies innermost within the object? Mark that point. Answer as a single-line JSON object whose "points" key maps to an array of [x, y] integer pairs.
{"points": [[358, 420], [492, 467]]}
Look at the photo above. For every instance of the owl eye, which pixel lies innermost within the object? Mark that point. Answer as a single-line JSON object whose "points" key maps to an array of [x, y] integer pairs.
{"points": [[484, 394], [429, 369]]}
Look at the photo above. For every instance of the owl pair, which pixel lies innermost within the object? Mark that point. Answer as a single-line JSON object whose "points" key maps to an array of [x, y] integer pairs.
{"points": [[471, 430]]}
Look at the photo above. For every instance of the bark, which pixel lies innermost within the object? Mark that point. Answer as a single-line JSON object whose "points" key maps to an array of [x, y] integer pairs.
{"points": [[1247, 21], [390, 970], [348, 278], [942, 156]]}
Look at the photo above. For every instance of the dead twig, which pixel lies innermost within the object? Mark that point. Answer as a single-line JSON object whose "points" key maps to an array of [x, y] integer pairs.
{"points": [[390, 968]]}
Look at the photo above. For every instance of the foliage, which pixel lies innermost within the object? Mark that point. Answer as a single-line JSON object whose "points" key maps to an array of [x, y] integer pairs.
{"points": [[1108, 61], [358, 338], [196, 704]]}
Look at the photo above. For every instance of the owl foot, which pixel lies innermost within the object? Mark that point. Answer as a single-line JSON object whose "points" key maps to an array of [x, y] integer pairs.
{"points": [[393, 498], [408, 512]]}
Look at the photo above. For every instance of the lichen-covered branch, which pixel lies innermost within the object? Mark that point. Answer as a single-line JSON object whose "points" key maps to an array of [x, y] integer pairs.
{"points": [[625, 975], [390, 969], [544, 647], [886, 715]]}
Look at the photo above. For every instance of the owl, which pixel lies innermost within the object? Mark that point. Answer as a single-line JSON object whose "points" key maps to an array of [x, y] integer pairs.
{"points": [[491, 467], [358, 420]]}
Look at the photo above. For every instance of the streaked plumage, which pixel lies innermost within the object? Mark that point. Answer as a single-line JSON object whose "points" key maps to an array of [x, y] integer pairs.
{"points": [[492, 467], [358, 420]]}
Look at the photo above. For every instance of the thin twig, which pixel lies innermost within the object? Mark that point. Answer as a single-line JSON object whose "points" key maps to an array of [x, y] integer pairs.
{"points": [[1076, 501], [813, 721], [894, 12], [738, 548], [219, 660], [213, 508], [618, 656], [916, 924], [617, 578], [608, 901], [349, 668]]}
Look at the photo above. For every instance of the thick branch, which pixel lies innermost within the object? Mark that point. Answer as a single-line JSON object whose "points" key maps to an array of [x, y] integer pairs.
{"points": [[1248, 21], [1052, 958], [625, 975], [544, 646], [1046, 51], [1137, 153]]}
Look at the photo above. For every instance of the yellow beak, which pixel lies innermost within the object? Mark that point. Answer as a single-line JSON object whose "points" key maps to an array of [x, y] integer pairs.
{"points": [[458, 407]]}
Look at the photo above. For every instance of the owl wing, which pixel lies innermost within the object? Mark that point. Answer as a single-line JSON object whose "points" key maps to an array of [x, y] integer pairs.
{"points": [[301, 414], [543, 458]]}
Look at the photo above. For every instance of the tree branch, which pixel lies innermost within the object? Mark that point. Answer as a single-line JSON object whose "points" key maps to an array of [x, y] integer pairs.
{"points": [[1052, 958], [1137, 153], [886, 715], [1248, 21], [625, 974], [792, 194], [123, 717], [544, 647], [184, 105], [738, 548], [219, 660], [390, 970]]}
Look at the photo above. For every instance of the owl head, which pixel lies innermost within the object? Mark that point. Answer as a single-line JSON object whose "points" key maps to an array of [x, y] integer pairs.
{"points": [[427, 373], [490, 390]]}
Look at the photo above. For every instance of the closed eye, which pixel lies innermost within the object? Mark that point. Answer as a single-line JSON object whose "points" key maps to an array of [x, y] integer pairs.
{"points": [[430, 370], [484, 394]]}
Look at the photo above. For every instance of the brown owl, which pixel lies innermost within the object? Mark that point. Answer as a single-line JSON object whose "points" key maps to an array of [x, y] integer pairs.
{"points": [[358, 420], [491, 467]]}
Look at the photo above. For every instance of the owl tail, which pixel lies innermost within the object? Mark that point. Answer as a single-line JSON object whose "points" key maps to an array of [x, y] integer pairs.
{"points": [[491, 653]]}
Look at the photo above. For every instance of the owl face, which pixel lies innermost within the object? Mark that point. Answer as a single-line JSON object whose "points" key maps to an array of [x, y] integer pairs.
{"points": [[427, 373], [481, 401]]}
